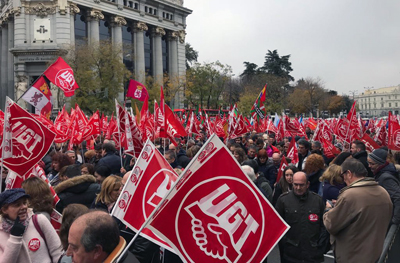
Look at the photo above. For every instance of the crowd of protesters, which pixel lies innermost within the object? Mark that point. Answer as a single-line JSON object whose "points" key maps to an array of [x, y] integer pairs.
{"points": [[343, 204]]}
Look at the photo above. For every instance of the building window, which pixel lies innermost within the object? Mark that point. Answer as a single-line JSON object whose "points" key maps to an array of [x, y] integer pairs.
{"points": [[374, 99], [127, 47], [104, 30], [396, 104], [390, 104], [389, 97], [395, 96], [165, 54], [147, 53], [81, 32], [381, 105], [381, 98]]}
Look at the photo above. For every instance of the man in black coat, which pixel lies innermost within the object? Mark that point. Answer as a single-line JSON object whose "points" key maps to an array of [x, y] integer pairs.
{"points": [[387, 176], [359, 152], [303, 211], [110, 159]]}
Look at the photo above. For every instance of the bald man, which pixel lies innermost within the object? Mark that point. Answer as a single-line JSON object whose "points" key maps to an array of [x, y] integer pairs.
{"points": [[303, 211], [93, 237]]}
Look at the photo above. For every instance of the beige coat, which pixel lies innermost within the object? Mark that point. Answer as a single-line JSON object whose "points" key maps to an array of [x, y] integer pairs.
{"points": [[359, 221]]}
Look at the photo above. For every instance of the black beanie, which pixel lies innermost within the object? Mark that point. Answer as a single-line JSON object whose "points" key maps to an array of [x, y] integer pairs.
{"points": [[378, 156], [252, 163]]}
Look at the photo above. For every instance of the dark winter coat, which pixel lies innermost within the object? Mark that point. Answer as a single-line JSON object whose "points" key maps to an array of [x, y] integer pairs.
{"points": [[182, 158], [388, 178], [47, 163], [304, 214], [277, 192], [112, 161], [331, 192], [362, 157], [313, 178], [262, 183], [80, 189]]}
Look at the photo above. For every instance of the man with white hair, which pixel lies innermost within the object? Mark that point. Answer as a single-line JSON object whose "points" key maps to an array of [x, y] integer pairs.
{"points": [[261, 185]]}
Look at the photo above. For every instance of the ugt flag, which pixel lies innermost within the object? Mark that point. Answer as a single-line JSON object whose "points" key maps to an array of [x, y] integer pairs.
{"points": [[137, 90], [150, 180], [215, 213], [62, 75], [28, 139]]}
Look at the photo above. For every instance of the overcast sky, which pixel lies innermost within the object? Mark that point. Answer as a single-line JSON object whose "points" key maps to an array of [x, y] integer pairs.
{"points": [[349, 45]]}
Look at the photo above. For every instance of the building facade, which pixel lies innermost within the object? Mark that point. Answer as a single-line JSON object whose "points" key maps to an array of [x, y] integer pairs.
{"points": [[34, 32], [378, 102]]}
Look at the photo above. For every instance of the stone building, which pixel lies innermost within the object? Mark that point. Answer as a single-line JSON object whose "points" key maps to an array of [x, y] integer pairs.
{"points": [[378, 102], [34, 32]]}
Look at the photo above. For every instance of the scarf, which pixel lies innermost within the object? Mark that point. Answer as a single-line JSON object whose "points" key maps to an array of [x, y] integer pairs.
{"points": [[7, 224]]}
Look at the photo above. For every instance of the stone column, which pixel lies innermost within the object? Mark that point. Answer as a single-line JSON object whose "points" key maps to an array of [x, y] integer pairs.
{"points": [[156, 34], [10, 60], [116, 36], [93, 19], [139, 28], [172, 39], [4, 58], [116, 31], [73, 9]]}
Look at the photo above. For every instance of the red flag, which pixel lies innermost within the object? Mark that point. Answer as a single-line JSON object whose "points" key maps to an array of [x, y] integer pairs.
{"points": [[30, 140], [370, 144], [330, 150], [61, 125], [239, 129], [173, 126], [292, 152], [79, 124], [62, 75], [93, 126], [282, 167], [137, 90], [103, 123], [217, 214], [56, 220], [1, 122], [148, 183], [112, 127], [393, 133]]}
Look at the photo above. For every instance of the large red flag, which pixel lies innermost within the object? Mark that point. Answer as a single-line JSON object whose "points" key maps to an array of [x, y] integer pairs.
{"points": [[137, 90], [216, 213], [61, 125], [30, 140], [173, 126], [239, 129], [330, 150], [393, 133], [62, 75], [148, 183]]}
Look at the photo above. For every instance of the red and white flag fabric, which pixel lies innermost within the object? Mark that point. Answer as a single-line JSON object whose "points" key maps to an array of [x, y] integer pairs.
{"points": [[93, 126], [173, 127], [393, 133], [150, 180], [216, 213], [330, 150], [29, 142], [56, 220], [39, 96], [292, 152], [370, 144], [137, 90], [1, 122], [282, 167], [6, 143], [61, 125], [239, 129], [62, 75]]}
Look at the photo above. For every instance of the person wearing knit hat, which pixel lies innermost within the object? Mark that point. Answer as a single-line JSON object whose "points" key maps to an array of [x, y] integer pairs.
{"points": [[387, 176], [378, 156], [25, 237]]}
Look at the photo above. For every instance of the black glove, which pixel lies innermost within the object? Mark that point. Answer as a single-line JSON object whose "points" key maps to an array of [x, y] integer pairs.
{"points": [[18, 229]]}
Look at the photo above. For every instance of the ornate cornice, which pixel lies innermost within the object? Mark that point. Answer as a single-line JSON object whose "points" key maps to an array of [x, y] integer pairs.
{"points": [[40, 10], [73, 9], [141, 26], [119, 21], [174, 34], [159, 31], [95, 14], [16, 11], [182, 35]]}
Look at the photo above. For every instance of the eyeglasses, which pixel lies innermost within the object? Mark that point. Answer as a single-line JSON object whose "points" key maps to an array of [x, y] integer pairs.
{"points": [[342, 174]]}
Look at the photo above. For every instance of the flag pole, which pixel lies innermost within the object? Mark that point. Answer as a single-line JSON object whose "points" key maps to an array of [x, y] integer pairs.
{"points": [[119, 132]]}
